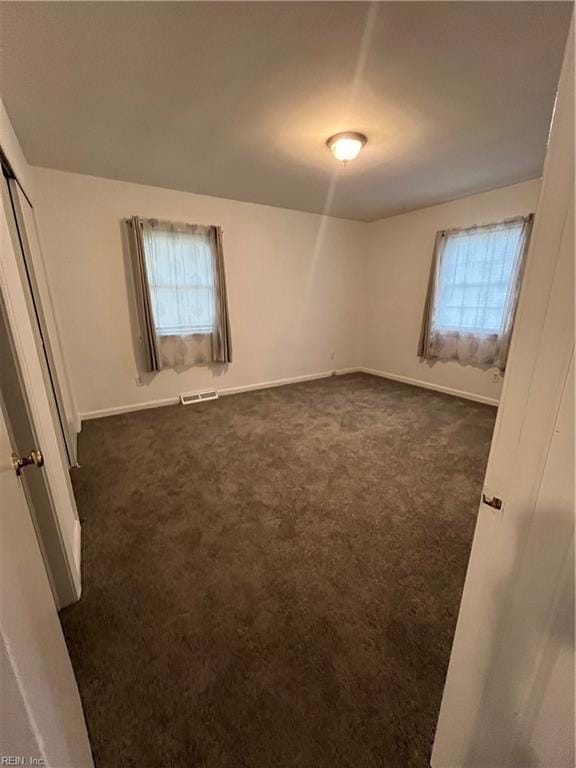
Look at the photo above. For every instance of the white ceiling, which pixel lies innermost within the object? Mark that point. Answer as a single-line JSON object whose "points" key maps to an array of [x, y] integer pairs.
{"points": [[237, 99]]}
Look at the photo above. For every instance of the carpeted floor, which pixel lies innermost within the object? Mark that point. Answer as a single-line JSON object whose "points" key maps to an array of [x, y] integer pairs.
{"points": [[272, 580]]}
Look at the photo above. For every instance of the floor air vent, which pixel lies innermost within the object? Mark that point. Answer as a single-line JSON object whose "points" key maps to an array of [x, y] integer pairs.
{"points": [[198, 397]]}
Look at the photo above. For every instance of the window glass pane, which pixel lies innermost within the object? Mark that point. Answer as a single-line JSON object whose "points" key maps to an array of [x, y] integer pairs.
{"points": [[472, 295], [475, 278], [181, 277], [183, 312], [493, 317], [468, 318], [450, 318]]}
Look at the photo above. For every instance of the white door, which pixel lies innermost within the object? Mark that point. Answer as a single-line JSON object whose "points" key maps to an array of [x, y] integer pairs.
{"points": [[21, 322], [41, 307], [40, 712], [509, 695]]}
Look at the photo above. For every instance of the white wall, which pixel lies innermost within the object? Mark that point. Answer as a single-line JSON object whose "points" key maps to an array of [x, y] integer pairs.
{"points": [[396, 279], [293, 287]]}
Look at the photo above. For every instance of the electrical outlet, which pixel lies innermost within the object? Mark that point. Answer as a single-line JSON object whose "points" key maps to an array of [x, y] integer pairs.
{"points": [[139, 382], [496, 377], [332, 356]]}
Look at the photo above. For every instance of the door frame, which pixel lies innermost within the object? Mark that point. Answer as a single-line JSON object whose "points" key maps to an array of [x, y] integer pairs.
{"points": [[24, 338]]}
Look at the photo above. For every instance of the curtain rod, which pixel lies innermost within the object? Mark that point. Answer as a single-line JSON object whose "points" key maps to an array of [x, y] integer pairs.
{"points": [[513, 220], [129, 220]]}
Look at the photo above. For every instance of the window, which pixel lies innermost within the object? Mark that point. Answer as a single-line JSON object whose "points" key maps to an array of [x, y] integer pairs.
{"points": [[180, 292], [476, 276], [472, 293], [180, 268]]}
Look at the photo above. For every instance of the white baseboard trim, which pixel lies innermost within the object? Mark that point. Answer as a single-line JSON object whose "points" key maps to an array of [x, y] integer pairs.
{"points": [[292, 380], [221, 392], [427, 385], [117, 409], [283, 382]]}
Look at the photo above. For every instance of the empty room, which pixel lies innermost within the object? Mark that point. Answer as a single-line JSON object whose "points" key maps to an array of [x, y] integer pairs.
{"points": [[287, 384]]}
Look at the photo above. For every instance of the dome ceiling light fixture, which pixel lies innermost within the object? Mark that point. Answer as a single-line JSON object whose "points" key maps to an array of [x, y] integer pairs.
{"points": [[346, 146]]}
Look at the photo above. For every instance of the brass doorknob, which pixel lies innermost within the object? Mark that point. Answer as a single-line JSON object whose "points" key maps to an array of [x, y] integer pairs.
{"points": [[34, 457]]}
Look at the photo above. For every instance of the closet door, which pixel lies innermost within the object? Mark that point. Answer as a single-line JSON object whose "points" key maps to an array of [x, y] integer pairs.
{"points": [[28, 394], [40, 305]]}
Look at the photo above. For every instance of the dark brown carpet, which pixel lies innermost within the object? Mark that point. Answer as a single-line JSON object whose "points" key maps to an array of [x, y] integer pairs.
{"points": [[272, 580]]}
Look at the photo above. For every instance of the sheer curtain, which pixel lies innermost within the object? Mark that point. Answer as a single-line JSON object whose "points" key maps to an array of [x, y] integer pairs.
{"points": [[181, 294], [473, 292]]}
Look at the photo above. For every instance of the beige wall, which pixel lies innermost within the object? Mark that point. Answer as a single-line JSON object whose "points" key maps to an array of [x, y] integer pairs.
{"points": [[396, 277], [293, 287], [307, 294]]}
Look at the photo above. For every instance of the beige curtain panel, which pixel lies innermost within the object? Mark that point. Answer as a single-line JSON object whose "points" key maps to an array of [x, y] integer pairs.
{"points": [[473, 292], [181, 299]]}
